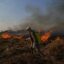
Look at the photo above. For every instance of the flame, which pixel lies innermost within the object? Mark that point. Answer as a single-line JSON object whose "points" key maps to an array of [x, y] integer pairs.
{"points": [[46, 36], [6, 35]]}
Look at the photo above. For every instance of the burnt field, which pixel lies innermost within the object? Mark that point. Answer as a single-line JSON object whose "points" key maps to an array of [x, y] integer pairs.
{"points": [[17, 50]]}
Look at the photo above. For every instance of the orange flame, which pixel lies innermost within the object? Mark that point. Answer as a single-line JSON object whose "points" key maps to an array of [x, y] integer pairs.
{"points": [[6, 35], [45, 37]]}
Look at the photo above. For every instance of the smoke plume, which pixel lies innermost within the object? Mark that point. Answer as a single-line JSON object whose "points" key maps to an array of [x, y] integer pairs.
{"points": [[52, 19]]}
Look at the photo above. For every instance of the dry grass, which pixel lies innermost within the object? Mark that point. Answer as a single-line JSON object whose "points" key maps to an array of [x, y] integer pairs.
{"points": [[53, 53]]}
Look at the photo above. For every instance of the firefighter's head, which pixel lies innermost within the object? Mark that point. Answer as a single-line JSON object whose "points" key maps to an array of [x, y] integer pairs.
{"points": [[28, 28]]}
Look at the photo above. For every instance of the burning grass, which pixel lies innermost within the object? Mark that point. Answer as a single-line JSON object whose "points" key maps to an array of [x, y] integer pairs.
{"points": [[15, 51]]}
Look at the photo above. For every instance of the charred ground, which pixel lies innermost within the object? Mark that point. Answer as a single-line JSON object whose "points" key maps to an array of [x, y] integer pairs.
{"points": [[16, 51]]}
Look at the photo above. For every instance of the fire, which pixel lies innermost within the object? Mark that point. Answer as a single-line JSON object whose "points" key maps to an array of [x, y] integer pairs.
{"points": [[45, 37], [6, 35]]}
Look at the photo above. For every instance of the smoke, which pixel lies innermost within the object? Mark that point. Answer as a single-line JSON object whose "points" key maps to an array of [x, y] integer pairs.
{"points": [[53, 18], [57, 10]]}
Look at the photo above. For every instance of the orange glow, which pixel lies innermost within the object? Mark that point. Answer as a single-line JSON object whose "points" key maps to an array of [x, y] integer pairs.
{"points": [[6, 35], [45, 37]]}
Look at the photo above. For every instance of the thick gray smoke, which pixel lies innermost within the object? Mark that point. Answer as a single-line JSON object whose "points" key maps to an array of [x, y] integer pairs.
{"points": [[52, 19], [57, 15]]}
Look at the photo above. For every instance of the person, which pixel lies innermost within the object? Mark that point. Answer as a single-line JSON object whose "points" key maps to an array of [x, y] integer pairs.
{"points": [[34, 39]]}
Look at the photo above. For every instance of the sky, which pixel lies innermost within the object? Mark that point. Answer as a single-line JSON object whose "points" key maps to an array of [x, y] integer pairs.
{"points": [[12, 12]]}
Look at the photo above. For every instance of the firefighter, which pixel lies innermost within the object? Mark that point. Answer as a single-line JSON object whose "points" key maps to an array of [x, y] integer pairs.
{"points": [[34, 39]]}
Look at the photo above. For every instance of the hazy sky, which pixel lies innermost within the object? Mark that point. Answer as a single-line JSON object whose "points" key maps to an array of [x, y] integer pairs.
{"points": [[13, 11]]}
